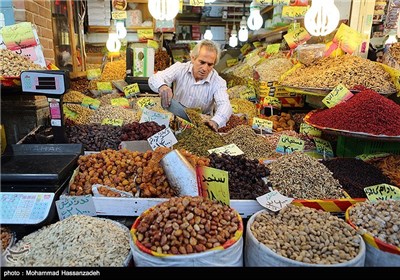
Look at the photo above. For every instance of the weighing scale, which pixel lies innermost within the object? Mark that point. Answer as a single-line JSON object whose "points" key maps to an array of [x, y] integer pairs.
{"points": [[33, 176]]}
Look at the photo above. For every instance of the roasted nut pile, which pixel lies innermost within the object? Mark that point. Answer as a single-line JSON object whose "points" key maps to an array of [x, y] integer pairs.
{"points": [[12, 64], [234, 92], [113, 112], [6, 237], [115, 70], [380, 219], [307, 235], [245, 175], [294, 175], [271, 69], [252, 145], [76, 241], [186, 225], [245, 107], [83, 114], [80, 84], [350, 70], [74, 96]]}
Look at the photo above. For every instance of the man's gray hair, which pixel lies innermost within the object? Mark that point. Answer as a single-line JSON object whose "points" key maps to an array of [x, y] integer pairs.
{"points": [[210, 45]]}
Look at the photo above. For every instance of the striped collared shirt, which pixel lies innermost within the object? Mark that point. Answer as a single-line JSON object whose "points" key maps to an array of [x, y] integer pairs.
{"points": [[192, 94]]}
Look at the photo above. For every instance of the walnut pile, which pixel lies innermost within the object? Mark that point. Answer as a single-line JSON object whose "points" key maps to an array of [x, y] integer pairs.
{"points": [[349, 70]]}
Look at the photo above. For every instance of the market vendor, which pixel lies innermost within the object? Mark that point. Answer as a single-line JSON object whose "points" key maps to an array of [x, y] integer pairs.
{"points": [[196, 84]]}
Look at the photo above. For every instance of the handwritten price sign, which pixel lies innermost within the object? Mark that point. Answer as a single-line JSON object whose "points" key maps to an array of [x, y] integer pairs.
{"points": [[274, 201], [93, 73], [114, 122], [145, 102], [297, 37], [120, 102], [382, 192], [131, 90], [339, 94], [294, 11], [75, 205], [309, 130], [213, 183], [149, 116], [199, 3], [288, 144], [164, 138], [323, 147], [262, 124], [367, 157], [91, 103], [230, 149]]}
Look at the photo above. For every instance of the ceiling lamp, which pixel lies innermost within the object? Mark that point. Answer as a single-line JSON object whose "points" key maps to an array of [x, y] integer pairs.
{"points": [[121, 30], [322, 17], [255, 20], [208, 34], [233, 40], [163, 9], [113, 43], [243, 32]]}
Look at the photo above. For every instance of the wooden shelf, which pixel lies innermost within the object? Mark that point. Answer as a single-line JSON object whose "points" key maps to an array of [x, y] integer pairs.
{"points": [[104, 29]]}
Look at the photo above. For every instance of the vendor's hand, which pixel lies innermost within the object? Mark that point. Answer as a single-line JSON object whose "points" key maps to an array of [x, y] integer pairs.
{"points": [[213, 125], [165, 95]]}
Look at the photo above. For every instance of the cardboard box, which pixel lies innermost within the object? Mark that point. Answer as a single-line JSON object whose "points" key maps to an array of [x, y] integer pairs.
{"points": [[143, 62]]}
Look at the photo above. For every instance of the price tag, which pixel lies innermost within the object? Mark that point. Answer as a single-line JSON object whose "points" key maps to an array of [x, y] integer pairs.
{"points": [[91, 103], [288, 144], [310, 130], [145, 102], [274, 48], [264, 2], [230, 149], [104, 87], [382, 192], [93, 74], [274, 201], [257, 44], [235, 108], [114, 122], [248, 94], [183, 124], [231, 62], [339, 94], [368, 157], [281, 2], [149, 116], [75, 205], [293, 26], [323, 147], [347, 38], [120, 102], [262, 124], [273, 102], [164, 138], [152, 44], [297, 37], [69, 113], [118, 15], [294, 11], [199, 3], [145, 34], [131, 90], [246, 47], [213, 184]]}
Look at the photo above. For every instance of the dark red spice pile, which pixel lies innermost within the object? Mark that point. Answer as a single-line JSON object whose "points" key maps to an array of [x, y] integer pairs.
{"points": [[367, 111]]}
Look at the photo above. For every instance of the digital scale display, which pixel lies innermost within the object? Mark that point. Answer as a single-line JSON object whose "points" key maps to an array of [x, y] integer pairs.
{"points": [[44, 82], [24, 208]]}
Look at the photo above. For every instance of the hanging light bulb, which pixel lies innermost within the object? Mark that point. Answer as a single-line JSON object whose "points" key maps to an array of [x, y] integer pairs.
{"points": [[163, 9], [255, 20], [121, 30], [208, 34], [243, 32], [113, 43], [233, 40], [322, 17]]}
